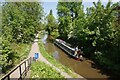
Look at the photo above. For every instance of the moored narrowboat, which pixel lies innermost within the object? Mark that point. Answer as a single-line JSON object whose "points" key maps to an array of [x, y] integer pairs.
{"points": [[76, 53]]}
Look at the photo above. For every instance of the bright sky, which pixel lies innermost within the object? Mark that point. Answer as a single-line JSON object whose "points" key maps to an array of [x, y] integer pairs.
{"points": [[48, 5], [52, 4]]}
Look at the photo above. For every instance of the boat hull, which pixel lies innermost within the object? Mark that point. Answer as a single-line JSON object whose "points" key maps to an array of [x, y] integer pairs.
{"points": [[66, 49]]}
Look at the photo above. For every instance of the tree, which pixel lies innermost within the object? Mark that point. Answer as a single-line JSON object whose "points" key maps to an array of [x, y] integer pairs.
{"points": [[97, 31], [20, 22], [68, 13], [51, 23]]}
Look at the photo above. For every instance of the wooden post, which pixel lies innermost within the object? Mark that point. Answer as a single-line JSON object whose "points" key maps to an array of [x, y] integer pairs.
{"points": [[25, 69], [20, 72], [30, 61], [6, 77], [28, 64]]}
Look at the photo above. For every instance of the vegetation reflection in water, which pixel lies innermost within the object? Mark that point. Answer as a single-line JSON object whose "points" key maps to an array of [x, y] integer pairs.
{"points": [[83, 68]]}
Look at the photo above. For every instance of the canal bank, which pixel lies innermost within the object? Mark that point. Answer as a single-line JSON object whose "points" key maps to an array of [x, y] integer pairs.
{"points": [[47, 69], [85, 68], [56, 64]]}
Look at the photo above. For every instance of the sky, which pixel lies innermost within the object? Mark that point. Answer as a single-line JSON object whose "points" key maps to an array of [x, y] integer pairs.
{"points": [[48, 5], [52, 4]]}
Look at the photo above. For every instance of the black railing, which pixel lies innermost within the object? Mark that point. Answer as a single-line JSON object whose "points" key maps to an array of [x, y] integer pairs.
{"points": [[24, 64]]}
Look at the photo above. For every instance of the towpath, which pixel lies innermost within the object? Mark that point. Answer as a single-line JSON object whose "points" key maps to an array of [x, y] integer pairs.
{"points": [[35, 49]]}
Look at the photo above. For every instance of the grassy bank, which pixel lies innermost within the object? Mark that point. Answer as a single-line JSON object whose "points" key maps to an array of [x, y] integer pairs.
{"points": [[19, 53], [22, 51], [54, 61], [42, 70]]}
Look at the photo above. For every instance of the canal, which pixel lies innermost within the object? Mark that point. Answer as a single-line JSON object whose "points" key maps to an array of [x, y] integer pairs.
{"points": [[84, 68]]}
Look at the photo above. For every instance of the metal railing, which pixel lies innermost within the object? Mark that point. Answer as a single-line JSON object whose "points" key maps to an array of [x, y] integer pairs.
{"points": [[21, 70]]}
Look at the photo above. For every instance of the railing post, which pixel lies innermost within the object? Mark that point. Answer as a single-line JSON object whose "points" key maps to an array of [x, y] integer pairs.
{"points": [[20, 72], [19, 67], [28, 63], [25, 69], [8, 77], [30, 60]]}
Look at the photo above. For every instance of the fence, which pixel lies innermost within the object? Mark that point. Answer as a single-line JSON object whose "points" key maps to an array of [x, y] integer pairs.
{"points": [[20, 71]]}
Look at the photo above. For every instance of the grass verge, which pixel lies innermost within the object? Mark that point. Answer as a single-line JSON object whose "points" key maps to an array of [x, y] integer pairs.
{"points": [[42, 70], [22, 51], [54, 61]]}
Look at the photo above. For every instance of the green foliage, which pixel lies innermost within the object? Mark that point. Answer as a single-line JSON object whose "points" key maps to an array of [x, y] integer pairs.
{"points": [[51, 23], [68, 13], [106, 63], [97, 30], [22, 20], [7, 57], [12, 54], [42, 70], [20, 23], [22, 50], [55, 34]]}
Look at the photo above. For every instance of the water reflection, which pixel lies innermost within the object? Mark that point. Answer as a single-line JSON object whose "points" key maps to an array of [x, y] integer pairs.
{"points": [[44, 39], [83, 68], [56, 54]]}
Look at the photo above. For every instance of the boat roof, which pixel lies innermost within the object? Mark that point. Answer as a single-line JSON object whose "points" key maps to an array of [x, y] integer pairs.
{"points": [[66, 44]]}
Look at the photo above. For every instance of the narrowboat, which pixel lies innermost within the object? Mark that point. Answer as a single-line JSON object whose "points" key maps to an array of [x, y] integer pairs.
{"points": [[69, 49]]}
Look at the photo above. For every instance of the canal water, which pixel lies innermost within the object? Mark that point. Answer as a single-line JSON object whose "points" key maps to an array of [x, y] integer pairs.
{"points": [[84, 68]]}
